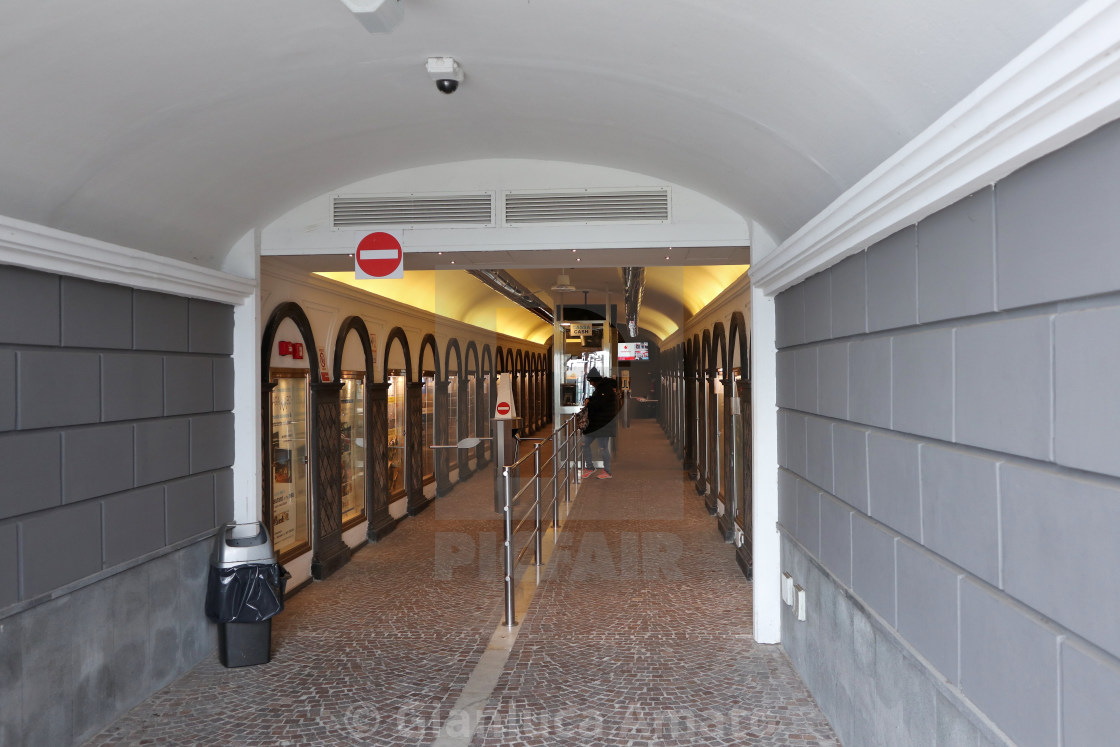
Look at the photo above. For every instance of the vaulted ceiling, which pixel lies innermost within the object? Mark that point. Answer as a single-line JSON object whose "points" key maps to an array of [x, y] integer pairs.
{"points": [[175, 128]]}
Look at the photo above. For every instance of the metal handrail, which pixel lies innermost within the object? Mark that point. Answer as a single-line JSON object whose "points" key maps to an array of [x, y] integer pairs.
{"points": [[562, 447]]}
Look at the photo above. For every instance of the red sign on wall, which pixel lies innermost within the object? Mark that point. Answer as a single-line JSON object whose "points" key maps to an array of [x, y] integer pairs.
{"points": [[503, 408], [294, 349], [379, 255]]}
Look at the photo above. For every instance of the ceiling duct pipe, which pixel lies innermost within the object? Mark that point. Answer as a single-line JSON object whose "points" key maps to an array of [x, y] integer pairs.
{"points": [[634, 283], [504, 283]]}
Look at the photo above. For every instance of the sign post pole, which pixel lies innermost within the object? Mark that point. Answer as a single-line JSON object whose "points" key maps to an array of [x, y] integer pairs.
{"points": [[505, 424]]}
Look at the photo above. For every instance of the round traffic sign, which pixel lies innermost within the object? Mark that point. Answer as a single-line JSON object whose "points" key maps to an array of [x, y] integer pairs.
{"points": [[503, 408], [379, 254]]}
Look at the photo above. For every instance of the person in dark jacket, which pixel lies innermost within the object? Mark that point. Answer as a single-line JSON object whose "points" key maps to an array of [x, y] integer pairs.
{"points": [[602, 423]]}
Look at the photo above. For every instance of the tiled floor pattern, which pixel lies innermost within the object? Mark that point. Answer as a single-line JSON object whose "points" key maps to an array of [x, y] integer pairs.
{"points": [[639, 635]]}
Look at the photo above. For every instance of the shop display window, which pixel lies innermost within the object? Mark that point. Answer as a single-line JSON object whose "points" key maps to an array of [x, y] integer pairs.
{"points": [[717, 447], [398, 432], [453, 409], [353, 447], [739, 447], [701, 420], [488, 413], [289, 511], [428, 419], [472, 408]]}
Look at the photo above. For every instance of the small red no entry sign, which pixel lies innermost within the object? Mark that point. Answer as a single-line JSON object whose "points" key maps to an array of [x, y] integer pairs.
{"points": [[503, 408], [379, 255]]}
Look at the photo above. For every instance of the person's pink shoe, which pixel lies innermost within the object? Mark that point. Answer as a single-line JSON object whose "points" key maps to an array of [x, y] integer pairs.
{"points": [[587, 473], [605, 476]]}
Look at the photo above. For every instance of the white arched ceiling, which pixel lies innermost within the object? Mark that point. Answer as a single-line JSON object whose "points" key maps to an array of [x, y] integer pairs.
{"points": [[177, 127]]}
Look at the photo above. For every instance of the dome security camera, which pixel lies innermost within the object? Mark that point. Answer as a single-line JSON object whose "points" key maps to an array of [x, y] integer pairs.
{"points": [[447, 74]]}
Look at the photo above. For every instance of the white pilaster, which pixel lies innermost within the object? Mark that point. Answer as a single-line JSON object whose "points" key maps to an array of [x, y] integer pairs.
{"points": [[247, 388], [764, 410]]}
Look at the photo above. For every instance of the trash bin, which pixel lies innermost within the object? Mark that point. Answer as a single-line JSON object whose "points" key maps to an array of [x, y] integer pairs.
{"points": [[245, 591]]}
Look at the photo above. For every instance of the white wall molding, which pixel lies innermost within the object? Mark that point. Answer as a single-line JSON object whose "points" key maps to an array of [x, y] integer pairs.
{"points": [[1060, 88], [41, 248]]}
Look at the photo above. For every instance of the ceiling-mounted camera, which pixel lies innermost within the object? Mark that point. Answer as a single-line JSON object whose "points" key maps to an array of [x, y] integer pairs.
{"points": [[445, 71]]}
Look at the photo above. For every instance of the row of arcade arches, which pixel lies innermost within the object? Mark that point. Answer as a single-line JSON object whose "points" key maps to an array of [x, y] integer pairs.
{"points": [[706, 413], [351, 444]]}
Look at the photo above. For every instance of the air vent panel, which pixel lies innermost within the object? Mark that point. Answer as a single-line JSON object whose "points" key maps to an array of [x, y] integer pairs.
{"points": [[476, 209], [588, 206]]}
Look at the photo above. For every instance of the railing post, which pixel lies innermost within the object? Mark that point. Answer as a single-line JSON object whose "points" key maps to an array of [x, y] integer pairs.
{"points": [[555, 488], [537, 502], [567, 465], [508, 530]]}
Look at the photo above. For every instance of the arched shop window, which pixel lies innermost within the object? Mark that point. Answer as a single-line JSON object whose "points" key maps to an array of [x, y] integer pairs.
{"points": [[429, 367], [487, 375], [397, 371], [519, 387], [452, 368], [354, 356], [700, 382], [717, 368], [286, 349], [472, 382], [742, 506], [452, 371]]}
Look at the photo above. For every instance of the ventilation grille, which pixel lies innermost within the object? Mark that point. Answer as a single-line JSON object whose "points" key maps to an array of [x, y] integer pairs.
{"points": [[472, 209], [587, 206]]}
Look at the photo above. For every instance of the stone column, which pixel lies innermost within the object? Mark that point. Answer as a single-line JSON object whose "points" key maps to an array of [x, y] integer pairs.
{"points": [[377, 461], [414, 449], [461, 427], [442, 456], [689, 425], [711, 469], [329, 552]]}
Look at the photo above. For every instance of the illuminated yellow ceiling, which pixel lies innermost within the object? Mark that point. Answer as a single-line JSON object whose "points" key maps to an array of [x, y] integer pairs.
{"points": [[672, 295], [454, 294], [693, 287]]}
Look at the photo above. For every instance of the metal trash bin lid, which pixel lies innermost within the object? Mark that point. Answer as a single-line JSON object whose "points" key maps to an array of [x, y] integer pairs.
{"points": [[238, 544]]}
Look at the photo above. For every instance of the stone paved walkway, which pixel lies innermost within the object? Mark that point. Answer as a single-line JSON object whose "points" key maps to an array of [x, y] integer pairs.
{"points": [[639, 634]]}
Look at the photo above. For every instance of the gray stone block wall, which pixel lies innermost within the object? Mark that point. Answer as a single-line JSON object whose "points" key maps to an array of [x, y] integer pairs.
{"points": [[950, 472], [116, 442], [71, 665]]}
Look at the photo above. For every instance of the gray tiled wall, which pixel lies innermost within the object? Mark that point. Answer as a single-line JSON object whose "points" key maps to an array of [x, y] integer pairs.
{"points": [[950, 426], [116, 442]]}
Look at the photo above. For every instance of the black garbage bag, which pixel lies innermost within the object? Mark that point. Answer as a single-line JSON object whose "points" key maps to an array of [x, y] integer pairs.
{"points": [[246, 593]]}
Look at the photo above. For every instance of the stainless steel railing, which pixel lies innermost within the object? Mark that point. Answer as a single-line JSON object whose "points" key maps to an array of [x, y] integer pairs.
{"points": [[566, 459]]}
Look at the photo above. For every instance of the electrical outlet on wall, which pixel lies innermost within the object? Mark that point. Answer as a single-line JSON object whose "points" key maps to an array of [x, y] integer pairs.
{"points": [[799, 602], [787, 588]]}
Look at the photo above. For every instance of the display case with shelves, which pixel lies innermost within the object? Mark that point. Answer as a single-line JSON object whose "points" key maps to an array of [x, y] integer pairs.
{"points": [[428, 421], [353, 420], [453, 409], [397, 432], [287, 505], [472, 407]]}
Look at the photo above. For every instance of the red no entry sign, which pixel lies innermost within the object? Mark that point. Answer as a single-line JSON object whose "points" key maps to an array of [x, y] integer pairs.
{"points": [[503, 408], [379, 255]]}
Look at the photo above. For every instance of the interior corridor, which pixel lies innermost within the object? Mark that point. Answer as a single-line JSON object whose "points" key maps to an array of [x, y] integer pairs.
{"points": [[639, 633]]}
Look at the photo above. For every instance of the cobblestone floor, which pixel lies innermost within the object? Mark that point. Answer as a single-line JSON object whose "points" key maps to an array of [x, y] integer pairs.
{"points": [[638, 635]]}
